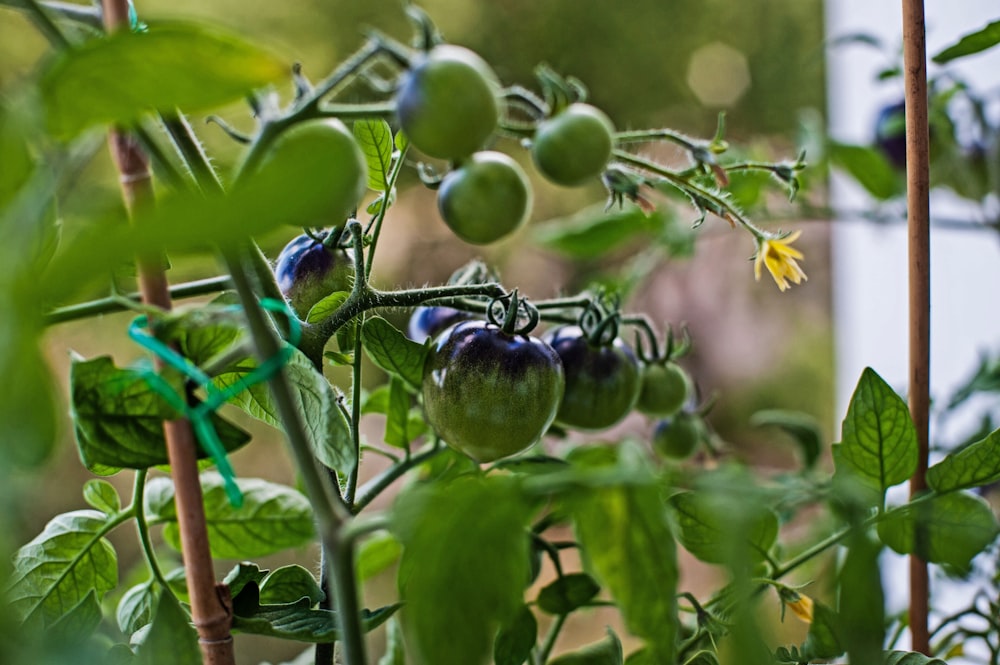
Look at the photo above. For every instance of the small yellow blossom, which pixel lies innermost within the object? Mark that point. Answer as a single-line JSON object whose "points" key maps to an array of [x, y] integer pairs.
{"points": [[779, 258], [802, 607]]}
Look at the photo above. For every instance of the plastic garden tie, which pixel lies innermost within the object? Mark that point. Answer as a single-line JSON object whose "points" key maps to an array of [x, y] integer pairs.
{"points": [[200, 415], [133, 19]]}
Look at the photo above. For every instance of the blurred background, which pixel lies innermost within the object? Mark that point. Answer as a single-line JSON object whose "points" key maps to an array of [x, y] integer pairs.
{"points": [[647, 63]]}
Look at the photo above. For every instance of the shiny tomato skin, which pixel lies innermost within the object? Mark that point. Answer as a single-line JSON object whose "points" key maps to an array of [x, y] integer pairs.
{"points": [[602, 382], [448, 104], [427, 322], [307, 271], [486, 198], [574, 145], [489, 394]]}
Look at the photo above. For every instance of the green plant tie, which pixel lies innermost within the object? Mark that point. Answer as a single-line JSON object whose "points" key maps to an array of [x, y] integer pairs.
{"points": [[200, 414], [133, 19]]}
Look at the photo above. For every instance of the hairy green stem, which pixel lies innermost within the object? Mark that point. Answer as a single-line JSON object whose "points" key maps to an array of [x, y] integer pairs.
{"points": [[328, 507], [40, 17], [142, 528], [370, 490], [118, 303], [352, 478], [391, 178]]}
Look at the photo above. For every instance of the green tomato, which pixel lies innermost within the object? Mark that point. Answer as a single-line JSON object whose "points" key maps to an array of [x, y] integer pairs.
{"points": [[323, 154], [677, 438], [448, 104], [489, 394], [573, 146], [602, 382], [486, 198], [665, 388]]}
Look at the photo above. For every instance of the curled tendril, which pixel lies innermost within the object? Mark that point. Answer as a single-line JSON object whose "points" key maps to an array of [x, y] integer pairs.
{"points": [[508, 310]]}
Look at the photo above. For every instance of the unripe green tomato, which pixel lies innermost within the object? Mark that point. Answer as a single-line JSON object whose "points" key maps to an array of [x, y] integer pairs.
{"points": [[677, 438], [324, 154], [489, 394], [448, 104], [574, 145], [602, 382], [665, 388], [486, 198]]}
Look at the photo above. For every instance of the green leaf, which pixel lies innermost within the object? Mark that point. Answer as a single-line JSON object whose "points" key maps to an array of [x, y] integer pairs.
{"points": [[398, 414], [910, 658], [375, 554], [56, 570], [375, 139], [288, 584], [79, 622], [862, 601], [568, 593], [711, 529], [624, 532], [170, 633], [949, 529], [974, 42], [606, 652], [393, 351], [516, 639], [879, 442], [119, 418], [465, 563], [102, 495], [202, 333], [135, 609], [327, 306], [395, 648], [800, 426], [592, 232], [974, 466], [294, 621], [823, 642], [272, 518], [127, 75], [868, 167], [317, 402]]}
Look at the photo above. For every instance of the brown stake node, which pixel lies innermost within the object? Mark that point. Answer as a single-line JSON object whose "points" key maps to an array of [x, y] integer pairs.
{"points": [[918, 207], [211, 606]]}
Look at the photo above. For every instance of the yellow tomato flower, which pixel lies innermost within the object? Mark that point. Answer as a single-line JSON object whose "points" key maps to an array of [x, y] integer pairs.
{"points": [[779, 258], [802, 607]]}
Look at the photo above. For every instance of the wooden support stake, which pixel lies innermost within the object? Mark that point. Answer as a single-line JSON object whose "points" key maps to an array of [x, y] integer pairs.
{"points": [[918, 207], [211, 606]]}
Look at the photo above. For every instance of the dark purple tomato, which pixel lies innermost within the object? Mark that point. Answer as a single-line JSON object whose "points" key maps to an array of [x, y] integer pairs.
{"points": [[307, 271], [890, 133], [428, 322], [489, 394], [602, 381]]}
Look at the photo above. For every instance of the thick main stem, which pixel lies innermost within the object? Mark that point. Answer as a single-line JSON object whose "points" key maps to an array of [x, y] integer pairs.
{"points": [[211, 607], [918, 206]]}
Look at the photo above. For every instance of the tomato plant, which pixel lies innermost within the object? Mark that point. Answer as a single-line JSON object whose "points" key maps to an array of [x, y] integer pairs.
{"points": [[574, 145], [447, 103], [486, 198], [471, 425]]}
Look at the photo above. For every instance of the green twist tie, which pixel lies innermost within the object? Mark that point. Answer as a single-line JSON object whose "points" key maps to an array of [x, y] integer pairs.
{"points": [[200, 415], [133, 19]]}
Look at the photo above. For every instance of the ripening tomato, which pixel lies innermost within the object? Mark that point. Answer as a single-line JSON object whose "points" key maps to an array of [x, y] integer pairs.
{"points": [[307, 271], [665, 388], [486, 198], [602, 381], [490, 394]]}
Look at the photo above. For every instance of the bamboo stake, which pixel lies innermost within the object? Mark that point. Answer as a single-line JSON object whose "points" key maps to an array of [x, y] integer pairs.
{"points": [[211, 605], [918, 206]]}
